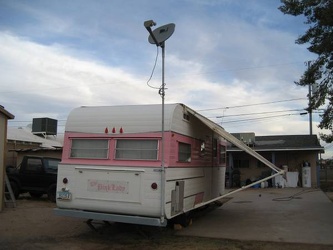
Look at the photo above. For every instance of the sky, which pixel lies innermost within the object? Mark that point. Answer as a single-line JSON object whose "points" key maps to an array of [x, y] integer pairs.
{"points": [[233, 61]]}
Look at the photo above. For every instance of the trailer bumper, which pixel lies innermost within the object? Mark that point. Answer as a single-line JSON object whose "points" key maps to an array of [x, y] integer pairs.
{"points": [[150, 221]]}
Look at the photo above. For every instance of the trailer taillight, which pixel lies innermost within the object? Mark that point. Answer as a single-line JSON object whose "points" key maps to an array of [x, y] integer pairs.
{"points": [[65, 180], [154, 185]]}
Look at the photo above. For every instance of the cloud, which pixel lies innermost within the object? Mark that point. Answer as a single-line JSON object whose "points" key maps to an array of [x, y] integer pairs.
{"points": [[50, 72], [31, 69], [223, 54]]}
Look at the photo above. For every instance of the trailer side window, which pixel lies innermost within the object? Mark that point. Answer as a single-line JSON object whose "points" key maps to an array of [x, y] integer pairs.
{"points": [[184, 152], [136, 149], [90, 148]]}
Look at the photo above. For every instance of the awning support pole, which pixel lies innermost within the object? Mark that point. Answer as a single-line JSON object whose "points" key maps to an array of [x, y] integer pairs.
{"points": [[242, 188]]}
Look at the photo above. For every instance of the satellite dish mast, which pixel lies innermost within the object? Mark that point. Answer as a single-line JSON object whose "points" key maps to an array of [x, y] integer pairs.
{"points": [[158, 37]]}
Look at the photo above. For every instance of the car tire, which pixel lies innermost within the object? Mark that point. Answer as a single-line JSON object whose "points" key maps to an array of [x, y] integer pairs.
{"points": [[51, 192]]}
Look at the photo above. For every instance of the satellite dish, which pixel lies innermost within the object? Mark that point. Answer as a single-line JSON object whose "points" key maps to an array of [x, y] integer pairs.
{"points": [[162, 33]]}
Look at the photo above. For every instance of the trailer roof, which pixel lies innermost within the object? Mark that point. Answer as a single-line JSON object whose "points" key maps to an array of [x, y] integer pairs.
{"points": [[131, 118]]}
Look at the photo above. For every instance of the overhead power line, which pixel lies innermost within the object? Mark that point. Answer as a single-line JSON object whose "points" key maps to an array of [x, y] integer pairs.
{"points": [[261, 113], [255, 104], [259, 118]]}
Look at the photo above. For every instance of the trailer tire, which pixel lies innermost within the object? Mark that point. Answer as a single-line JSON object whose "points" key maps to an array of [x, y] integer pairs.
{"points": [[183, 220], [51, 192]]}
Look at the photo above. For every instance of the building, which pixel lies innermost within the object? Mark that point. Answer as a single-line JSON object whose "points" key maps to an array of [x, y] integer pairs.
{"points": [[291, 152], [4, 117], [22, 141]]}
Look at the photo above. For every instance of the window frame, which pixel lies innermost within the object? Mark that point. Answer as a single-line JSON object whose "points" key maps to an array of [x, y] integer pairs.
{"points": [[136, 150], [184, 155], [80, 155]]}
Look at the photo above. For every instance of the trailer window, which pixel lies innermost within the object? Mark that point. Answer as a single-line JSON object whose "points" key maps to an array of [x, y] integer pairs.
{"points": [[184, 152], [90, 148], [136, 149]]}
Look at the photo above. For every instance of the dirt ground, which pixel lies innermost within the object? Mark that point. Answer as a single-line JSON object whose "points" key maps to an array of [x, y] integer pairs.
{"points": [[32, 225]]}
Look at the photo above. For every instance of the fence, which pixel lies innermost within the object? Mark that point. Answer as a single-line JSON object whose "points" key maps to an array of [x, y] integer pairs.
{"points": [[326, 179]]}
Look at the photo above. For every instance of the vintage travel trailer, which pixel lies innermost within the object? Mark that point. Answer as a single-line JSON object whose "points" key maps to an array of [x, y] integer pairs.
{"points": [[120, 164]]}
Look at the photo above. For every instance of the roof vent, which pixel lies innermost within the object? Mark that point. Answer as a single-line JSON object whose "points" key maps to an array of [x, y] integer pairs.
{"points": [[44, 126]]}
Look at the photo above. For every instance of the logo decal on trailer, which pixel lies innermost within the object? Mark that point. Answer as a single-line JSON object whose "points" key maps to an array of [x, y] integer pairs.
{"points": [[106, 186]]}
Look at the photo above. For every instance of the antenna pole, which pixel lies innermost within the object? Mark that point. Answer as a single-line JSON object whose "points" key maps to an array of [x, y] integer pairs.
{"points": [[164, 31], [163, 165]]}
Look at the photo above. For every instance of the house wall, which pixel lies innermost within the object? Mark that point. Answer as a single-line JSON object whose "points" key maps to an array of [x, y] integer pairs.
{"points": [[4, 116], [17, 149], [14, 146], [293, 159], [14, 158], [3, 136]]}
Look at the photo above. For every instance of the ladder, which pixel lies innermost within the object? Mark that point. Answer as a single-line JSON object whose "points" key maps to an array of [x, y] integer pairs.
{"points": [[9, 195]]}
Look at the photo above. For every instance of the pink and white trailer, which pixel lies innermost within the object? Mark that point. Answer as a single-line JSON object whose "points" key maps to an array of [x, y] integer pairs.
{"points": [[118, 165]]}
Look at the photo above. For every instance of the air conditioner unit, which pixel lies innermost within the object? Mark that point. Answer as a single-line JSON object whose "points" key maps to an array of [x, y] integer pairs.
{"points": [[44, 126]]}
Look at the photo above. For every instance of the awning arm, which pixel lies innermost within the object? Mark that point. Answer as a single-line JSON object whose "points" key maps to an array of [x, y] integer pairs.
{"points": [[219, 130], [281, 172]]}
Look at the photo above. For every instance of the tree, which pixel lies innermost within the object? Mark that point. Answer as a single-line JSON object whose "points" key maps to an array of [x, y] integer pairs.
{"points": [[319, 16]]}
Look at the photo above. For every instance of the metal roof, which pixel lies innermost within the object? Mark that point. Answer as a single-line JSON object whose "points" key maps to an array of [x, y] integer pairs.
{"points": [[285, 143], [25, 135]]}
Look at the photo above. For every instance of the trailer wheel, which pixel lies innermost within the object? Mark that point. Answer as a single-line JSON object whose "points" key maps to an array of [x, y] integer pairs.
{"points": [[183, 220], [51, 193]]}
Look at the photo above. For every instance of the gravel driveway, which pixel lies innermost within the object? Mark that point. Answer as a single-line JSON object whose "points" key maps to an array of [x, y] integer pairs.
{"points": [[32, 225]]}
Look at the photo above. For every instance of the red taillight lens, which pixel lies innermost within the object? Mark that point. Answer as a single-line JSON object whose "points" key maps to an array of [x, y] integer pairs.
{"points": [[65, 180], [154, 185]]}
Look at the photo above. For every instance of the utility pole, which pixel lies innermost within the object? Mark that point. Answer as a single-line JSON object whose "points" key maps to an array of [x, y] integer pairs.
{"points": [[308, 63], [310, 109]]}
